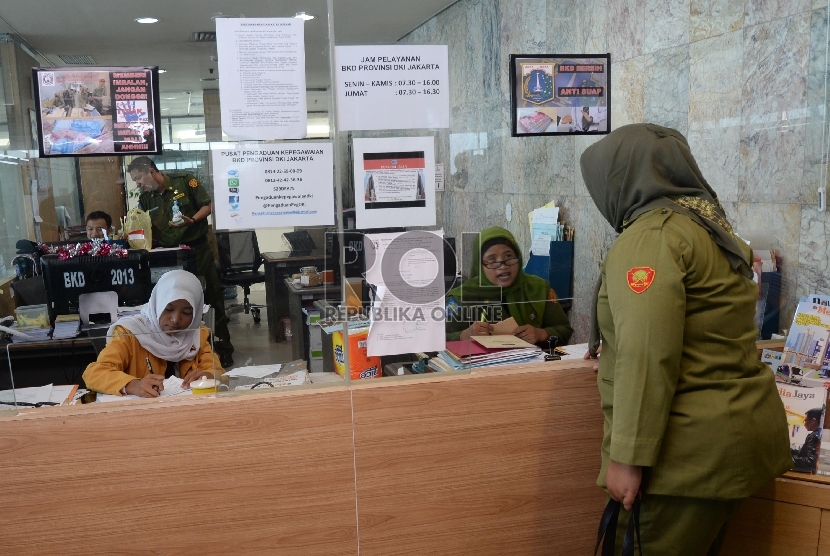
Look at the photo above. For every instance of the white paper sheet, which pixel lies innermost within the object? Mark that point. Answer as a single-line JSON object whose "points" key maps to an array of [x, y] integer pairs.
{"points": [[60, 393], [254, 371], [293, 379], [408, 275], [172, 387], [575, 351], [395, 182], [400, 86], [541, 245], [33, 395], [262, 77]]}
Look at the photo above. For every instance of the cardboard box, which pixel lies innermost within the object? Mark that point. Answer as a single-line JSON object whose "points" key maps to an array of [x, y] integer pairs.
{"points": [[360, 364]]}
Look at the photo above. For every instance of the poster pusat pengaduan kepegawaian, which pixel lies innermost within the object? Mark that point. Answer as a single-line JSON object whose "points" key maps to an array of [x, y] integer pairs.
{"points": [[270, 186]]}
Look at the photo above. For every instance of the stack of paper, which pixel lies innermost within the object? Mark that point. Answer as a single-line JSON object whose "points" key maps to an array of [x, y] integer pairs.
{"points": [[465, 354], [29, 334], [37, 396], [544, 228], [66, 326]]}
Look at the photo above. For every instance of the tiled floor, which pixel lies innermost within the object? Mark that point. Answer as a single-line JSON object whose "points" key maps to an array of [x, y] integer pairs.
{"points": [[250, 340]]}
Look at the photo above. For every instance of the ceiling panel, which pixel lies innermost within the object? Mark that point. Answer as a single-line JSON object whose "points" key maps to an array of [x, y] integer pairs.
{"points": [[105, 30]]}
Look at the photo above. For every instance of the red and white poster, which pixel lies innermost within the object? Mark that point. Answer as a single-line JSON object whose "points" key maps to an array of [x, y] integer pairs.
{"points": [[395, 182]]}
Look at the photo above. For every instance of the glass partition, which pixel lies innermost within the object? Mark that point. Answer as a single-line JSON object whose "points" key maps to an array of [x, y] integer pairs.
{"points": [[752, 106]]}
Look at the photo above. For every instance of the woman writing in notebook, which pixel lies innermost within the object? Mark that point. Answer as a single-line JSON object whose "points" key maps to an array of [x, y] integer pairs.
{"points": [[498, 290], [165, 339]]}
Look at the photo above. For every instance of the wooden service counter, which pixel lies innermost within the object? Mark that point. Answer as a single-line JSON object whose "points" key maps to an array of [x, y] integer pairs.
{"points": [[492, 462]]}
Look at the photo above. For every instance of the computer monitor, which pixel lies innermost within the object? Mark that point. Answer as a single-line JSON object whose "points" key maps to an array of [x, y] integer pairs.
{"points": [[66, 280], [167, 259]]}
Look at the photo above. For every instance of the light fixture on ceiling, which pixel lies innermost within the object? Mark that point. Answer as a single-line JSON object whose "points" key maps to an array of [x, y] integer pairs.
{"points": [[162, 70], [163, 109], [169, 98], [146, 20], [304, 16]]}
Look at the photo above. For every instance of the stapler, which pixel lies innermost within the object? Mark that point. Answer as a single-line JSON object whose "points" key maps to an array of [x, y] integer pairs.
{"points": [[421, 364], [551, 355]]}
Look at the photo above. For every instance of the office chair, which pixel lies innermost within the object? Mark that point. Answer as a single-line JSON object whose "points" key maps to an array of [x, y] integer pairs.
{"points": [[239, 261]]}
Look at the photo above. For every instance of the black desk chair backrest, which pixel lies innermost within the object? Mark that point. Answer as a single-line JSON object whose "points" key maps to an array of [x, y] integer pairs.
{"points": [[238, 251], [240, 260]]}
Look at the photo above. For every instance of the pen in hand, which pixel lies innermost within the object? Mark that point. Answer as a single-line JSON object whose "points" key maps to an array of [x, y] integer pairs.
{"points": [[150, 368]]}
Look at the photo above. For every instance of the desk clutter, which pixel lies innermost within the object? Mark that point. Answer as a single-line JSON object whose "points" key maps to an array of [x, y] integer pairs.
{"points": [[466, 354], [38, 396], [32, 325]]}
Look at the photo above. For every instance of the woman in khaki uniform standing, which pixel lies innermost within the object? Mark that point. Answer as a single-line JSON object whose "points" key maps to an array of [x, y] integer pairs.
{"points": [[693, 421]]}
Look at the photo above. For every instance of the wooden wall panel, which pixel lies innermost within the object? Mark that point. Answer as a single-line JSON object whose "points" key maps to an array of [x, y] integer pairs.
{"points": [[769, 528], [7, 302], [824, 534], [267, 473], [497, 463], [103, 186]]}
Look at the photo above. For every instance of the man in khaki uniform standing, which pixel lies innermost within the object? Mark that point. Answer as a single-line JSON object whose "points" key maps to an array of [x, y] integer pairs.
{"points": [[693, 420], [159, 193]]}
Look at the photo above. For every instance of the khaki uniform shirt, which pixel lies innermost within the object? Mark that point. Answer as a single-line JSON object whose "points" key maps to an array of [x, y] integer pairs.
{"points": [[191, 196], [681, 387]]}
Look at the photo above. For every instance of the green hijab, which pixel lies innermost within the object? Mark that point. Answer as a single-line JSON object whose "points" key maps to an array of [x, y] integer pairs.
{"points": [[641, 167], [527, 294]]}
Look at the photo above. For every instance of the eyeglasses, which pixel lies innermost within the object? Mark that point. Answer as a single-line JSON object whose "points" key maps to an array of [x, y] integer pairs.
{"points": [[492, 265]]}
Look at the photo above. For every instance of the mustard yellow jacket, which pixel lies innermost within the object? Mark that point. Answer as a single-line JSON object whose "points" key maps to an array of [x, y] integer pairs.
{"points": [[124, 360]]}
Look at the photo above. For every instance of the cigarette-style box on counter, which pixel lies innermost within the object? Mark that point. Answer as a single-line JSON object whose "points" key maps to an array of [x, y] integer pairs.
{"points": [[361, 365]]}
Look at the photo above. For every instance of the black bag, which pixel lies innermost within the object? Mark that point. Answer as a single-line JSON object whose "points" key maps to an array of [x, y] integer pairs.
{"points": [[608, 529]]}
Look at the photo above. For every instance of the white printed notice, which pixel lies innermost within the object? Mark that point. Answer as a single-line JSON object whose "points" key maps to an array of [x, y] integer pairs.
{"points": [[269, 186], [392, 87], [395, 182], [407, 278], [262, 78]]}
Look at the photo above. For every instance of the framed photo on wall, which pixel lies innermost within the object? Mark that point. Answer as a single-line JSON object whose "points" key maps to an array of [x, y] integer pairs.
{"points": [[97, 111], [560, 94]]}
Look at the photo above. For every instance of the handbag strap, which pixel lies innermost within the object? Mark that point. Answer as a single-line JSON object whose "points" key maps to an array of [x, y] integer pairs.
{"points": [[608, 529], [632, 527]]}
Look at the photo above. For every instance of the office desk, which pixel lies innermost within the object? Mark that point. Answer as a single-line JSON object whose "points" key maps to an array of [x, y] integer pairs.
{"points": [[299, 297], [47, 362], [278, 265]]}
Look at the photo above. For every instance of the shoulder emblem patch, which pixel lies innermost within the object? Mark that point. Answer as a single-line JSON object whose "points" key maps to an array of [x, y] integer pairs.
{"points": [[193, 182], [551, 294], [640, 278]]}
